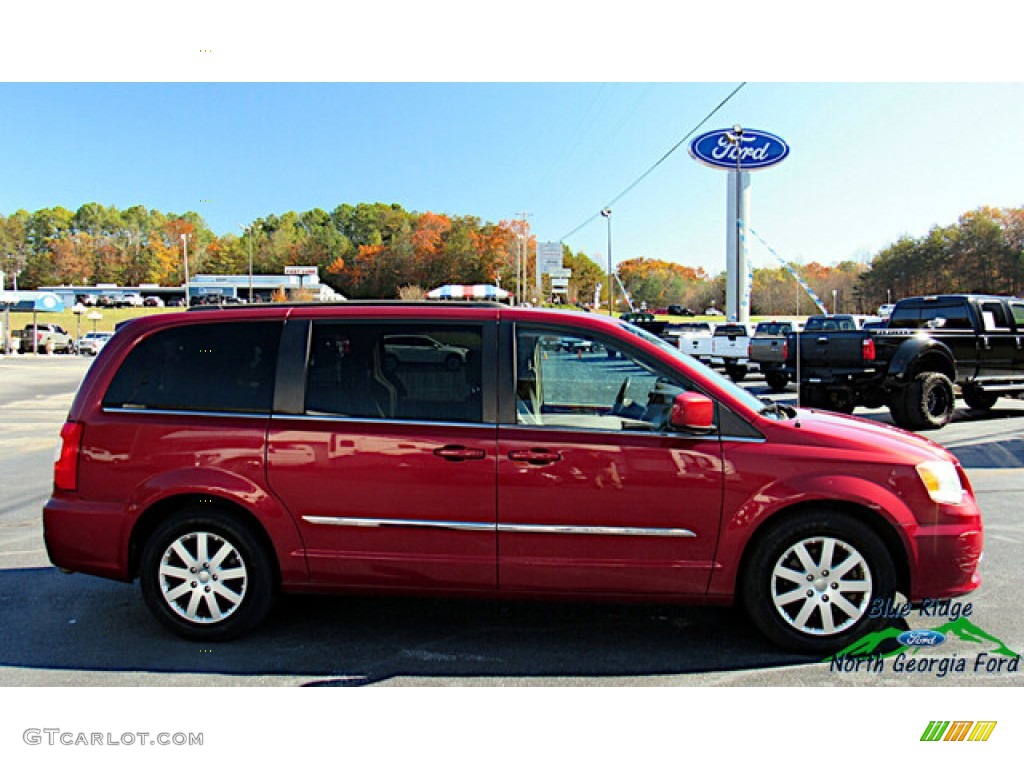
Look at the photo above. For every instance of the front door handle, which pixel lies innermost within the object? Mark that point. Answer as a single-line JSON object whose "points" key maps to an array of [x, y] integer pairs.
{"points": [[536, 456], [459, 453]]}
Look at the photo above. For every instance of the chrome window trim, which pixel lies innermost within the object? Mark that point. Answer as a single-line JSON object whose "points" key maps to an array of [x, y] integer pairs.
{"points": [[327, 417], [584, 530], [263, 416]]}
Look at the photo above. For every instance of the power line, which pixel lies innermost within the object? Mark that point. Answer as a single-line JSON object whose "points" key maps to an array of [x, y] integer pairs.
{"points": [[663, 158]]}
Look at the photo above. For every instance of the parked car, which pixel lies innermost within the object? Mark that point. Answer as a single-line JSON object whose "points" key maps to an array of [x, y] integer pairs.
{"points": [[524, 474], [153, 301], [680, 310], [418, 349], [93, 342], [730, 346], [930, 345], [767, 351], [131, 300], [45, 338]]}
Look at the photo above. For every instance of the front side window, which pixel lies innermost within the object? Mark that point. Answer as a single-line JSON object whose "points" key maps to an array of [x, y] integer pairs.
{"points": [[429, 372], [575, 381], [226, 367]]}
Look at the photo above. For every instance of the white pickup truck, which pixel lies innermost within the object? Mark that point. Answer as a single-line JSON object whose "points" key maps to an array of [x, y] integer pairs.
{"points": [[730, 345], [693, 338]]}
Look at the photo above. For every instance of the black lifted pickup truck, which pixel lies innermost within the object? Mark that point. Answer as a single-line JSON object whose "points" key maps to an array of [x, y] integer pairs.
{"points": [[930, 344]]}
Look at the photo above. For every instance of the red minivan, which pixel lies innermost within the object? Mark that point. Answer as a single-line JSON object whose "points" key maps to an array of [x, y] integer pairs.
{"points": [[223, 455]]}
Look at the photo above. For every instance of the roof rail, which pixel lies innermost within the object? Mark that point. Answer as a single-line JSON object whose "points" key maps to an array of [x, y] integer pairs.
{"points": [[348, 303]]}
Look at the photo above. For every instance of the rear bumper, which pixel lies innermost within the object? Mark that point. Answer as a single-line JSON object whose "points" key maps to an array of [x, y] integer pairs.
{"points": [[86, 538]]}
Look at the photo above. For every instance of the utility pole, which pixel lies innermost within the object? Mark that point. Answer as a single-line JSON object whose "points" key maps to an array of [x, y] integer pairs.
{"points": [[522, 268]]}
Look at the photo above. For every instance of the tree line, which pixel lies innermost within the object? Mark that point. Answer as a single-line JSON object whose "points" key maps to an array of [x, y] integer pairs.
{"points": [[383, 251]]}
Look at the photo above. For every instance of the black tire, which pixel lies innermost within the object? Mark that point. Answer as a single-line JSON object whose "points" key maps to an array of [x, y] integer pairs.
{"points": [[812, 397], [841, 401], [795, 613], [979, 399], [453, 362], [245, 575], [736, 372], [926, 403], [776, 381]]}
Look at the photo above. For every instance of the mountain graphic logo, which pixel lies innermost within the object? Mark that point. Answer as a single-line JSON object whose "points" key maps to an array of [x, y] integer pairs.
{"points": [[885, 642]]}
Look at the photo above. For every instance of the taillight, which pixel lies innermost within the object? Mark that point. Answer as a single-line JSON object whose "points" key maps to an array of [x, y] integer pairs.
{"points": [[867, 348], [785, 349], [65, 465]]}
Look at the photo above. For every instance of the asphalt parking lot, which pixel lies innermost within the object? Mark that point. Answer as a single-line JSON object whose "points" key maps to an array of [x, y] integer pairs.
{"points": [[58, 629]]}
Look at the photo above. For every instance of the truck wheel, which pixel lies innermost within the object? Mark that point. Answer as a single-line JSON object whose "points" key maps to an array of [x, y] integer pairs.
{"points": [[736, 372], [812, 397], [811, 580], [926, 403], [777, 382], [840, 400], [979, 399]]}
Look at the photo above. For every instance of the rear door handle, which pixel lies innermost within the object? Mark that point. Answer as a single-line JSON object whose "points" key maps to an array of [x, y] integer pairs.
{"points": [[536, 456], [460, 453]]}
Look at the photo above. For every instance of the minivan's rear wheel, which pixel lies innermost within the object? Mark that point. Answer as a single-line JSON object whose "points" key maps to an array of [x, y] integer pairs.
{"points": [[206, 576], [811, 580]]}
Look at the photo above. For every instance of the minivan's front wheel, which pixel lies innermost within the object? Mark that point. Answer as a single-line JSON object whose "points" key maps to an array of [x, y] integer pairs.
{"points": [[811, 581], [206, 577]]}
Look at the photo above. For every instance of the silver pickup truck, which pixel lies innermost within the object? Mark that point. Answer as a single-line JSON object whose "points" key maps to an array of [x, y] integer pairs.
{"points": [[767, 351]]}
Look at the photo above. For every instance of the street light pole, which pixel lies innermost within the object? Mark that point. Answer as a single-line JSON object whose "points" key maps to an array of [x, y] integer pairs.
{"points": [[248, 230], [607, 213], [184, 251]]}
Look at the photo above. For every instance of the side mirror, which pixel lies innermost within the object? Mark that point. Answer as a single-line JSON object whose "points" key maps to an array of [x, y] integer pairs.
{"points": [[692, 412]]}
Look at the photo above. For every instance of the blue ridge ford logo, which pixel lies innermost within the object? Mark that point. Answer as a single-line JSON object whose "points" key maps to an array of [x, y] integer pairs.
{"points": [[921, 638], [759, 149]]}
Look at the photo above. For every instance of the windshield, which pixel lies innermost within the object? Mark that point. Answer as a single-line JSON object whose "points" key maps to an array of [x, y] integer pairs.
{"points": [[689, 363]]}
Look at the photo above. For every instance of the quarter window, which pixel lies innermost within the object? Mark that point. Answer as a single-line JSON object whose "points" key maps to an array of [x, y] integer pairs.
{"points": [[419, 373], [227, 367]]}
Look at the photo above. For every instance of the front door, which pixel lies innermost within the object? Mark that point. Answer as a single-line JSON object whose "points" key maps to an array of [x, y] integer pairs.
{"points": [[595, 493]]}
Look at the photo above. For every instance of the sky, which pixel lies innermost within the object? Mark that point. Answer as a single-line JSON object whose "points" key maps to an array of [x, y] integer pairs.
{"points": [[868, 162]]}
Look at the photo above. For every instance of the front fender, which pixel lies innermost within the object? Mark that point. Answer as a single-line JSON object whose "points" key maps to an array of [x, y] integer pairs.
{"points": [[878, 504]]}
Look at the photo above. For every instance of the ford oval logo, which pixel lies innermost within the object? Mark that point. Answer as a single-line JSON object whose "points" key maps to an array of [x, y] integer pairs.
{"points": [[759, 150], [921, 638]]}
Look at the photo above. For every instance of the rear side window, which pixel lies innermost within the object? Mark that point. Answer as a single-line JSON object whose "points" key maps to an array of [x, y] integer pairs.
{"points": [[226, 367], [428, 372], [953, 316]]}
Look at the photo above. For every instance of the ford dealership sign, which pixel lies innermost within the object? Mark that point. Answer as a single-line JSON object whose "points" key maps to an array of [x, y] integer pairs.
{"points": [[759, 150]]}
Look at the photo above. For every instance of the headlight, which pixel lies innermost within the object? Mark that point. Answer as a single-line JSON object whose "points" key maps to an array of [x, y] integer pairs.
{"points": [[941, 481]]}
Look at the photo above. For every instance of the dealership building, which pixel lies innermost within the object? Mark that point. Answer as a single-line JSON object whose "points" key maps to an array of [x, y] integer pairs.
{"points": [[229, 287]]}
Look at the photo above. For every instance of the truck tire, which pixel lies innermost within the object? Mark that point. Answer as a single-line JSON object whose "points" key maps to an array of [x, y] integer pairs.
{"points": [[777, 381], [926, 403], [736, 372], [813, 397], [978, 399]]}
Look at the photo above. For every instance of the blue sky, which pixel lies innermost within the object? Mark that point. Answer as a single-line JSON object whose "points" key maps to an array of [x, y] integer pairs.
{"points": [[869, 162], [554, 109]]}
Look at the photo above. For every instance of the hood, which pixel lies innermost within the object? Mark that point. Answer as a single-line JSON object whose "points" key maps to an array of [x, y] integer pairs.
{"points": [[836, 431]]}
